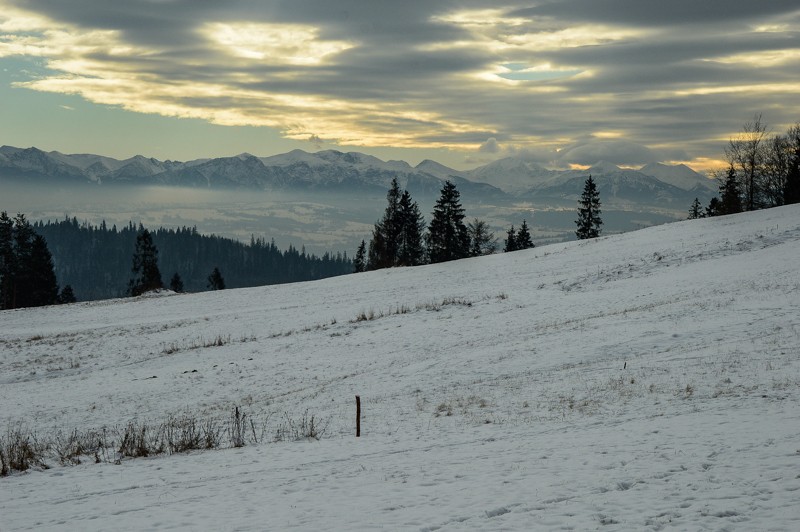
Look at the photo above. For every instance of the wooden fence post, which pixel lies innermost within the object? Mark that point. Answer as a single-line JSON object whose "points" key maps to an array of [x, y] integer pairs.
{"points": [[358, 416]]}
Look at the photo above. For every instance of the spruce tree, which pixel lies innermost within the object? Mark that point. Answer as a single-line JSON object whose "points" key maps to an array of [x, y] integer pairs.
{"points": [[360, 262], [176, 283], [523, 239], [410, 251], [713, 207], [67, 295], [386, 234], [376, 256], [696, 210], [27, 277], [511, 240], [730, 196], [43, 287], [448, 238], [481, 239], [146, 276], [7, 260], [23, 276], [215, 280], [589, 221]]}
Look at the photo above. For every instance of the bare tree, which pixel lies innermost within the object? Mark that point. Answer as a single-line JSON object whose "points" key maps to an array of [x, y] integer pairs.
{"points": [[746, 153], [777, 158], [791, 191]]}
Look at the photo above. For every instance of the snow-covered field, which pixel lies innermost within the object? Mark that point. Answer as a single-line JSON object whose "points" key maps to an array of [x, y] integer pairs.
{"points": [[643, 381]]}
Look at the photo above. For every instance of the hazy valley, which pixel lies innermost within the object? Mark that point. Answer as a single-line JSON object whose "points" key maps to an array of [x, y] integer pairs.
{"points": [[328, 201]]}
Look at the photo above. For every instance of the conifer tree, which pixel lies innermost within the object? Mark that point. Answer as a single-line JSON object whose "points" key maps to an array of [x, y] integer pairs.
{"points": [[523, 239], [713, 207], [589, 221], [511, 240], [215, 280], [386, 234], [376, 255], [481, 238], [43, 287], [448, 238], [67, 295], [145, 266], [27, 277], [360, 262], [730, 196], [696, 210], [22, 275], [176, 283], [410, 251], [7, 260]]}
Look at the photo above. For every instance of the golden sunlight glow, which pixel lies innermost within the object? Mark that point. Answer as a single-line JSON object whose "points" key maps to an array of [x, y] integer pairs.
{"points": [[14, 20], [608, 134], [492, 28], [479, 17], [738, 89], [297, 117], [288, 44], [767, 58], [585, 35], [62, 44], [772, 28], [702, 165]]}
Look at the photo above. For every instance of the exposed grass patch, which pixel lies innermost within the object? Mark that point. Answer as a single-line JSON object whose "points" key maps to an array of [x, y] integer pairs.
{"points": [[304, 428], [22, 449], [432, 306], [218, 341]]}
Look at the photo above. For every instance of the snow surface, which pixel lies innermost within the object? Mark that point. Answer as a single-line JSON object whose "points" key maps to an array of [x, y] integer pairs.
{"points": [[642, 381]]}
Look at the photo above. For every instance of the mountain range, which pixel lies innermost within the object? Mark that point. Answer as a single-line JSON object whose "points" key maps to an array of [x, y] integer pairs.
{"points": [[330, 170]]}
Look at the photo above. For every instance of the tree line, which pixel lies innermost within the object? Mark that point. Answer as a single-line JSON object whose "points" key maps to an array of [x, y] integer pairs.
{"points": [[401, 237], [97, 260], [763, 171]]}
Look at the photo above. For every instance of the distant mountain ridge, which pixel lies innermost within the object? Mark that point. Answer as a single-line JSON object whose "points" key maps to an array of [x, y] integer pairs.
{"points": [[331, 170], [328, 170]]}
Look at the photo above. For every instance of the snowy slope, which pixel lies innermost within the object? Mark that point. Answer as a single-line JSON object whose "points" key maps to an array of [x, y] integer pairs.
{"points": [[642, 381]]}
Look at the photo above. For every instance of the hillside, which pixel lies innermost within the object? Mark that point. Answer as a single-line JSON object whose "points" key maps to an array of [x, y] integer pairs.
{"points": [[644, 381]]}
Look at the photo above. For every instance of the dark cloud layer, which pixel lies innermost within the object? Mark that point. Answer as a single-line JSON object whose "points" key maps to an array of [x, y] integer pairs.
{"points": [[622, 80], [672, 13]]}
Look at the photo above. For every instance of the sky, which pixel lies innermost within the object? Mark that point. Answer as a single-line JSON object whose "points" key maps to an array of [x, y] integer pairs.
{"points": [[560, 82]]}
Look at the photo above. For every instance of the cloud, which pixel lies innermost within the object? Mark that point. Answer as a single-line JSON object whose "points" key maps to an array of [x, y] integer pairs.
{"points": [[619, 152], [673, 13], [470, 76], [490, 146], [316, 141]]}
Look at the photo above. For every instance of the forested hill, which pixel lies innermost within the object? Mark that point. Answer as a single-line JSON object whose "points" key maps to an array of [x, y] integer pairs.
{"points": [[96, 260]]}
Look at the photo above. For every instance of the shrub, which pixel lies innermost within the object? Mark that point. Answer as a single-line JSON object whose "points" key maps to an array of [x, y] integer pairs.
{"points": [[20, 450], [306, 428]]}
